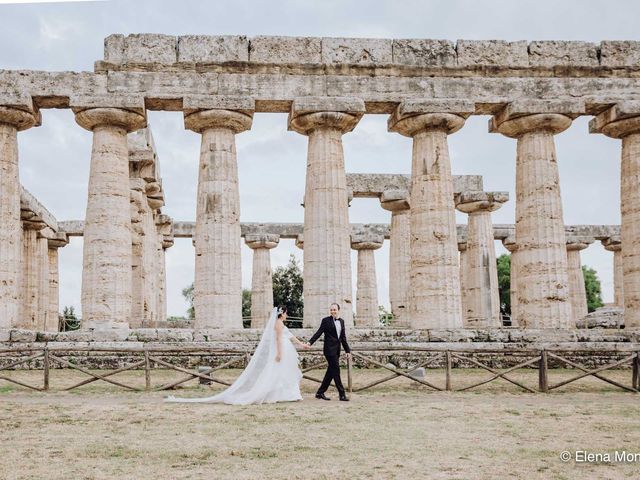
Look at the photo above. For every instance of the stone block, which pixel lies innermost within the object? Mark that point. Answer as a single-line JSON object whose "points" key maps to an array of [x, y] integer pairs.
{"points": [[175, 335], [285, 50], [424, 53], [619, 53], [563, 53], [303, 105], [150, 48], [159, 84], [357, 51], [523, 107], [22, 336], [419, 373], [5, 335], [498, 53], [531, 335], [415, 106], [143, 335], [213, 49], [134, 103], [114, 49], [193, 103], [451, 335]]}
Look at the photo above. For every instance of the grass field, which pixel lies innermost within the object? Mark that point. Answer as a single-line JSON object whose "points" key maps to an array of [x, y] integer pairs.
{"points": [[396, 430]]}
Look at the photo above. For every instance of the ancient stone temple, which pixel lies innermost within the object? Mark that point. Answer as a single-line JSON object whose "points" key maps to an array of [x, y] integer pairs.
{"points": [[441, 275]]}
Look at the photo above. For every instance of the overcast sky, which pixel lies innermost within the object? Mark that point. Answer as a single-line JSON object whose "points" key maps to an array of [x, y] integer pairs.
{"points": [[54, 158]]}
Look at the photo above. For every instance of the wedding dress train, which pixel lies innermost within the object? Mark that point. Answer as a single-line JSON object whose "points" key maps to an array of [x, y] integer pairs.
{"points": [[264, 380]]}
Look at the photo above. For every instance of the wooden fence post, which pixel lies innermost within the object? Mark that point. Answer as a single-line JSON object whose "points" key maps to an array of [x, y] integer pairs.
{"points": [[147, 371], [448, 371], [349, 383], [635, 373], [46, 368], [543, 380]]}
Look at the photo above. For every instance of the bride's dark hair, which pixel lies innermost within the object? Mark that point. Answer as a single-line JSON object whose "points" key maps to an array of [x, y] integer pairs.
{"points": [[282, 309]]}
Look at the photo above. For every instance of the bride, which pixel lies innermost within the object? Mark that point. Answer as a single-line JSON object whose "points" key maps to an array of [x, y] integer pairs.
{"points": [[272, 374]]}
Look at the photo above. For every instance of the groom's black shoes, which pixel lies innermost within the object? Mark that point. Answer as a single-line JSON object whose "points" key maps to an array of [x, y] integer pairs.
{"points": [[344, 398], [322, 396]]}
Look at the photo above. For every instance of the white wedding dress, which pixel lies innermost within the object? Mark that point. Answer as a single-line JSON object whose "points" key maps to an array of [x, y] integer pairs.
{"points": [[264, 380]]}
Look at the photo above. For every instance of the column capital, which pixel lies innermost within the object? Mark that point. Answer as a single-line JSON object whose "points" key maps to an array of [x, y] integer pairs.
{"points": [[366, 241], [262, 240], [205, 112], [395, 200], [618, 121], [413, 116], [462, 244], [578, 243], [312, 113], [300, 241], [20, 118], [526, 116], [612, 244], [510, 243], [474, 202], [59, 239], [124, 111]]}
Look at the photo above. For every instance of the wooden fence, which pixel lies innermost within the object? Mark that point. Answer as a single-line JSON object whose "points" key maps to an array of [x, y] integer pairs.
{"points": [[150, 359]]}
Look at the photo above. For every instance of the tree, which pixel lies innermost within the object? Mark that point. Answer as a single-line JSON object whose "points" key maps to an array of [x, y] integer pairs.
{"points": [[188, 294], [287, 287], [592, 287], [504, 283], [246, 308], [385, 318], [69, 319]]}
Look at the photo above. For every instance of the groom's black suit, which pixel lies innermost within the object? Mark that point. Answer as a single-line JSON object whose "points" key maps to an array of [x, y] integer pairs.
{"points": [[331, 351]]}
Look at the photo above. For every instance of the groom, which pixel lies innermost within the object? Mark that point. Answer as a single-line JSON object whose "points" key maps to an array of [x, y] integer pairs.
{"points": [[334, 335]]}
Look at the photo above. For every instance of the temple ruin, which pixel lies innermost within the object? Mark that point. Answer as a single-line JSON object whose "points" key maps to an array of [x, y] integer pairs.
{"points": [[444, 275]]}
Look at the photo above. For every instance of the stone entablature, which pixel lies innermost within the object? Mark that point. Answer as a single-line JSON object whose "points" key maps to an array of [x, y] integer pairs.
{"points": [[185, 229], [373, 185]]}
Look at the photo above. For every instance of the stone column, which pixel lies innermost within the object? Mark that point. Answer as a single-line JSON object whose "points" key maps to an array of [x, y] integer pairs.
{"points": [[613, 244], [218, 279], [327, 252], [54, 243], [33, 258], [481, 296], [510, 244], [12, 120], [106, 272], [543, 293], [164, 224], [435, 300], [367, 285], [577, 291], [397, 202], [464, 271], [623, 121], [261, 280], [139, 302]]}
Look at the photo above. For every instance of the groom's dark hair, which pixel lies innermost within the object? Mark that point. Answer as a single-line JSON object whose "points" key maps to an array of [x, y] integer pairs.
{"points": [[282, 309], [336, 304]]}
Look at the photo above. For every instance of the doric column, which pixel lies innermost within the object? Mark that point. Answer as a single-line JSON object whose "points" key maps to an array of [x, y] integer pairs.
{"points": [[464, 271], [261, 280], [397, 202], [613, 244], [481, 299], [543, 293], [106, 273], [12, 120], [34, 259], [164, 224], [54, 243], [623, 121], [367, 285], [435, 272], [510, 244], [577, 291], [327, 253], [218, 279]]}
